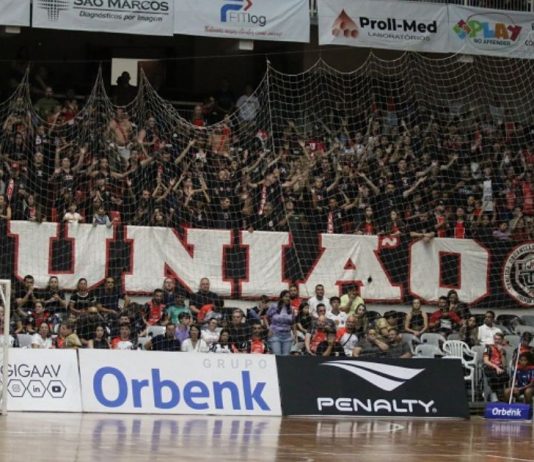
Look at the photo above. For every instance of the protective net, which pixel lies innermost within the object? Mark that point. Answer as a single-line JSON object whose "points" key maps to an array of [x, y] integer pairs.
{"points": [[406, 178]]}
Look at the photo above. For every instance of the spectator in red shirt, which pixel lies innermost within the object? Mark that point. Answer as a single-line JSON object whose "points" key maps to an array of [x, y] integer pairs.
{"points": [[294, 299], [256, 343], [155, 309], [316, 335], [495, 367], [330, 346], [461, 228], [444, 321]]}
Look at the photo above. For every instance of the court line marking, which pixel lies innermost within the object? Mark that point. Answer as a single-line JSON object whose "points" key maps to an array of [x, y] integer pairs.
{"points": [[434, 455], [508, 458]]}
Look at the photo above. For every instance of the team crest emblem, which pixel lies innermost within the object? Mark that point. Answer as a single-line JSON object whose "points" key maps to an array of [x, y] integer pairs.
{"points": [[519, 274]]}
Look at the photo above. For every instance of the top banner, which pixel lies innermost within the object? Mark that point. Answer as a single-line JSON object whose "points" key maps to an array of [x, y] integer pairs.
{"points": [[15, 12], [478, 31], [275, 20], [141, 17], [426, 27], [383, 24]]}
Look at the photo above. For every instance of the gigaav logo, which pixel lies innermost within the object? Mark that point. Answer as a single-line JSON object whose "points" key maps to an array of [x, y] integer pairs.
{"points": [[237, 11], [492, 30]]}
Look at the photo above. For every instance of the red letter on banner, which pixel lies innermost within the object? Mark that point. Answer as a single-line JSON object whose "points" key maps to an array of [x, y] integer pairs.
{"points": [[367, 270], [426, 272]]}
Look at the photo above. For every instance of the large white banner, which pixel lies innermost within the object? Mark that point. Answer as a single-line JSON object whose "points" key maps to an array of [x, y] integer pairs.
{"points": [[276, 20], [15, 12], [397, 25], [150, 254], [43, 380], [480, 31], [143, 382], [145, 17]]}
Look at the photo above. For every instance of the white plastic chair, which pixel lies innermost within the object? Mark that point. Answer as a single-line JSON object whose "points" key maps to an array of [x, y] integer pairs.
{"points": [[528, 319], [513, 340], [411, 340], [141, 342], [454, 336], [457, 349], [433, 339], [504, 329], [154, 331], [427, 350], [519, 330], [25, 340]]}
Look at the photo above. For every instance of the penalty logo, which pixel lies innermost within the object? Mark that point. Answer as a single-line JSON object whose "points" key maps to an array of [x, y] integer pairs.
{"points": [[383, 376]]}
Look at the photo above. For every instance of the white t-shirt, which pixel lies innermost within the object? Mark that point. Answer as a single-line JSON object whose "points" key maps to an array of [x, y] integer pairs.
{"points": [[348, 342], [218, 348], [45, 343], [487, 196], [485, 334], [313, 302], [339, 318], [122, 345], [200, 347], [72, 217], [210, 337]]}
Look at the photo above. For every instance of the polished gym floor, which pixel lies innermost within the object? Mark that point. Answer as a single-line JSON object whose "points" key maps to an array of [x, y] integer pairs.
{"points": [[116, 438]]}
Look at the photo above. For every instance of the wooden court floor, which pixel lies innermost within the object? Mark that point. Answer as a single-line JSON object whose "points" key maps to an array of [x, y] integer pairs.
{"points": [[116, 438]]}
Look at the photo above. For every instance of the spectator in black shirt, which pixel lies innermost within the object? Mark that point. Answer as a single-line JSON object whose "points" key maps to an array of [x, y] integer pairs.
{"points": [[239, 330], [108, 298], [166, 341], [54, 298], [81, 299], [422, 227], [25, 296], [330, 347], [204, 297], [171, 292], [87, 323], [223, 217]]}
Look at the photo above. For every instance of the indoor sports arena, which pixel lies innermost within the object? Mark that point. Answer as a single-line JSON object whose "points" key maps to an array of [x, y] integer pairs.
{"points": [[304, 227]]}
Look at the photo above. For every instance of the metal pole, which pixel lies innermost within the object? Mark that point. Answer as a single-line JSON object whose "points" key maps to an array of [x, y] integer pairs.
{"points": [[6, 299]]}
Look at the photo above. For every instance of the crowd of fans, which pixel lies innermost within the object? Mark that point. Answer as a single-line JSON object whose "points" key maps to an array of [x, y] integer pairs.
{"points": [[373, 173], [445, 177]]}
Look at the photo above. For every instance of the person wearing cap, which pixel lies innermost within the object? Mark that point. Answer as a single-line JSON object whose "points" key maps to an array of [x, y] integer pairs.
{"points": [[330, 346], [182, 329]]}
